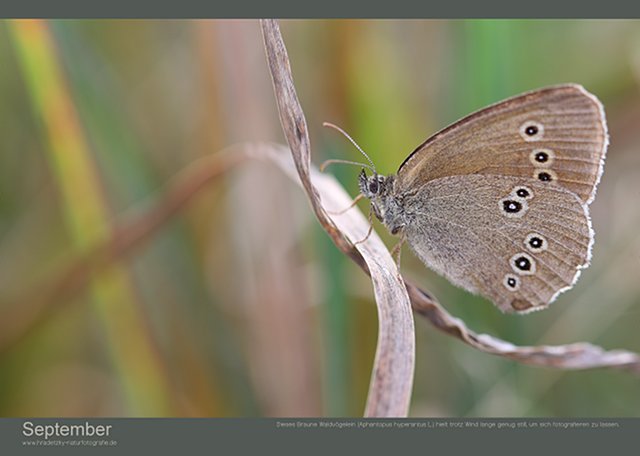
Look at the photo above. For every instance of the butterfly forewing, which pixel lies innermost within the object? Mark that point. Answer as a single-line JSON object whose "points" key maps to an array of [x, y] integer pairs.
{"points": [[557, 136]]}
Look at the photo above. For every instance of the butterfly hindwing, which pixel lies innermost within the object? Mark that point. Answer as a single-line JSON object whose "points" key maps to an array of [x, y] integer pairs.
{"points": [[513, 240]]}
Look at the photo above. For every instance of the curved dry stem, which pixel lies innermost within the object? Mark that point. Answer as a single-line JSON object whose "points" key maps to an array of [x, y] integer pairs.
{"points": [[392, 376], [581, 355]]}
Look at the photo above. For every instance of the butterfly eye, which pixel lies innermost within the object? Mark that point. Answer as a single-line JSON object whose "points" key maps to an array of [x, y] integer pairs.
{"points": [[373, 186]]}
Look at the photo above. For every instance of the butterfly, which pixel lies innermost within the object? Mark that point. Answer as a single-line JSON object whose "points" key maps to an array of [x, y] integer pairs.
{"points": [[498, 202]]}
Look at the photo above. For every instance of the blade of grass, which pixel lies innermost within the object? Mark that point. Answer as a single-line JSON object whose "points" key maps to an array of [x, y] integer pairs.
{"points": [[104, 100], [130, 344]]}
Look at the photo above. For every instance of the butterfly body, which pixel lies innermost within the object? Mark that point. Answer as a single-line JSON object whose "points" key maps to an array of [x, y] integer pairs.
{"points": [[498, 202], [387, 204]]}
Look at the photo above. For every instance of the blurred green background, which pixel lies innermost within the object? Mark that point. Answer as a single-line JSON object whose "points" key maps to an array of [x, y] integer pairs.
{"points": [[240, 305]]}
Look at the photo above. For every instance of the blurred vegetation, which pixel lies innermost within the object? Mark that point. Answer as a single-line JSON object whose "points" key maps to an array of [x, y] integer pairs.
{"points": [[240, 305]]}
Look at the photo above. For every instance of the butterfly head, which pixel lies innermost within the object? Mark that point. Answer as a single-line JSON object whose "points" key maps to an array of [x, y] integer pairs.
{"points": [[371, 186], [379, 190]]}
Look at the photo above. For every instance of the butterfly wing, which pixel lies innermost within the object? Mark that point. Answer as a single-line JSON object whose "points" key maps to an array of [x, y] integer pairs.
{"points": [[516, 241], [498, 201], [556, 135]]}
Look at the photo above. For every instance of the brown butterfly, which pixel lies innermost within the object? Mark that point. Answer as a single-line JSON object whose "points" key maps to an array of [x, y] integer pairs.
{"points": [[498, 202]]}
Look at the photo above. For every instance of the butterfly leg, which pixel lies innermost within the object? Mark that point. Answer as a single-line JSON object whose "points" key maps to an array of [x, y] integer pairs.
{"points": [[370, 218], [397, 250], [355, 201]]}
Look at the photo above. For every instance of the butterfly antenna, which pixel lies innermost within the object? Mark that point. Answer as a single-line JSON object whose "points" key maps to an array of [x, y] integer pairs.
{"points": [[335, 127], [347, 162]]}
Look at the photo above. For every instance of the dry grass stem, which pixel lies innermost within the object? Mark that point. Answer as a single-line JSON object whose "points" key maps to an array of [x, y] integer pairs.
{"points": [[392, 376]]}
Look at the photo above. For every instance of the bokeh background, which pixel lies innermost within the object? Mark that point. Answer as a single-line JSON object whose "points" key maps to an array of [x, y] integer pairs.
{"points": [[239, 304]]}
